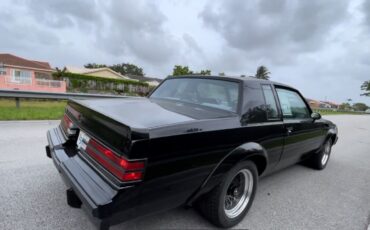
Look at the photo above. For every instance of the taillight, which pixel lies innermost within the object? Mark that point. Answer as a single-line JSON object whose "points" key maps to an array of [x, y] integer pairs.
{"points": [[68, 125], [123, 169]]}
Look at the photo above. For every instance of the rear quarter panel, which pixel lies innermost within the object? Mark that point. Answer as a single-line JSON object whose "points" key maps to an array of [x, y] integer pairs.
{"points": [[181, 158]]}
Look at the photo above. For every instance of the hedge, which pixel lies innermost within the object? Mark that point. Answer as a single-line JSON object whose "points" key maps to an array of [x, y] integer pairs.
{"points": [[92, 84], [98, 79]]}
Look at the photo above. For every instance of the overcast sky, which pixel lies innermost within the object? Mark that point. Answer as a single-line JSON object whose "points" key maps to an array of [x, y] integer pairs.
{"points": [[322, 47]]}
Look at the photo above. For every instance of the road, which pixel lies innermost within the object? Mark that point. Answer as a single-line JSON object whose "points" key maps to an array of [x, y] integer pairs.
{"points": [[32, 194]]}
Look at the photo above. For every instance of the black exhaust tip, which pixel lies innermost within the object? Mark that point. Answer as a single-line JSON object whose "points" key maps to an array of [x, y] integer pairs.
{"points": [[48, 153], [72, 199]]}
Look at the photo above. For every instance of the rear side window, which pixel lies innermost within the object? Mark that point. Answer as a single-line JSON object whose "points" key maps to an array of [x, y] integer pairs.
{"points": [[292, 104], [271, 108]]}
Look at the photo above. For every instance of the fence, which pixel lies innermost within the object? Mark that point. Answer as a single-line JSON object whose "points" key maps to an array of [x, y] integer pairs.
{"points": [[31, 84], [17, 94], [330, 110], [49, 83]]}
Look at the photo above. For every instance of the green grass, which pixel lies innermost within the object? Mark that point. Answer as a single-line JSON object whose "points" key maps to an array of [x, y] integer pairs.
{"points": [[31, 109], [328, 112], [54, 110]]}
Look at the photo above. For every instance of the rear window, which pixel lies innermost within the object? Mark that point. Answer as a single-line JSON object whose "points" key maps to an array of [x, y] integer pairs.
{"points": [[213, 93]]}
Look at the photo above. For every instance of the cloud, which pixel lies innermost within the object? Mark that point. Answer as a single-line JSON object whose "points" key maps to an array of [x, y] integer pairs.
{"points": [[275, 30], [63, 13], [307, 44], [191, 43], [137, 28], [25, 35], [122, 29], [366, 10]]}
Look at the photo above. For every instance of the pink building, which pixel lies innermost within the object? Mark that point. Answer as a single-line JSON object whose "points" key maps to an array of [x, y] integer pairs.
{"points": [[17, 73]]}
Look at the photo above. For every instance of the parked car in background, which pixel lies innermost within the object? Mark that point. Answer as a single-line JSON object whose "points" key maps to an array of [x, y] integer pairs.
{"points": [[195, 141]]}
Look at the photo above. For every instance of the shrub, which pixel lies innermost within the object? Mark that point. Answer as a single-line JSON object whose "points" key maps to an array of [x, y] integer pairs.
{"points": [[84, 83]]}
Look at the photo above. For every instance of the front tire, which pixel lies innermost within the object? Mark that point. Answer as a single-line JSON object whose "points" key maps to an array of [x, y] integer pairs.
{"points": [[228, 203]]}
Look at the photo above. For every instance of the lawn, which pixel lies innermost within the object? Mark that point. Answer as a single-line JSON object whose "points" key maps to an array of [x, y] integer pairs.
{"points": [[31, 109], [53, 110], [328, 112]]}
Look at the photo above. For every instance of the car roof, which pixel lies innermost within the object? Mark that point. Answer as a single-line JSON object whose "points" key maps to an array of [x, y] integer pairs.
{"points": [[245, 80]]}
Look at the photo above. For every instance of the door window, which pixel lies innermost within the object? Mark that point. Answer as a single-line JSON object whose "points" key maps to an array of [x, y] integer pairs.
{"points": [[292, 104], [271, 108]]}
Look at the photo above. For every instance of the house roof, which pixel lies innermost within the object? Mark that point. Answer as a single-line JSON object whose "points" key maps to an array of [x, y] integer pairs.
{"points": [[143, 78], [330, 103], [80, 70], [87, 71], [12, 60], [309, 100]]}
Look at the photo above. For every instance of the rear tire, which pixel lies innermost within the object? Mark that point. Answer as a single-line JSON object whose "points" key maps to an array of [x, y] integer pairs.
{"points": [[228, 203], [320, 160]]}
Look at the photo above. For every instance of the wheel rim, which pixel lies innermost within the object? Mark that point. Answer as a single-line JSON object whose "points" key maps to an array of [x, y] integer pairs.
{"points": [[325, 156], [238, 193]]}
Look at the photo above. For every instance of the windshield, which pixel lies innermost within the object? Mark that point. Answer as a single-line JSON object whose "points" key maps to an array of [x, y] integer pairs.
{"points": [[213, 93]]}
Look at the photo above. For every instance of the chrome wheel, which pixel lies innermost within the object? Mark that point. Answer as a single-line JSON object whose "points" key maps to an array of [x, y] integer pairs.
{"points": [[326, 153], [238, 193]]}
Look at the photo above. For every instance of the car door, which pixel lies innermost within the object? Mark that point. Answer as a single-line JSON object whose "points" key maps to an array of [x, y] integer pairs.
{"points": [[261, 121], [303, 134]]}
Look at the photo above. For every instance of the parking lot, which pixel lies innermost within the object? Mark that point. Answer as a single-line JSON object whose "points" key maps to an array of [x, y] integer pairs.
{"points": [[32, 194]]}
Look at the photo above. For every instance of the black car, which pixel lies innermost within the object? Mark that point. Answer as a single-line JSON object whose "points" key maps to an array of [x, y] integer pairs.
{"points": [[195, 141]]}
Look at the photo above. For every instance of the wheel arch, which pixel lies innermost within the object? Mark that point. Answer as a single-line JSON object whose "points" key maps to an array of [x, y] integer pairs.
{"points": [[260, 162], [249, 151], [332, 134]]}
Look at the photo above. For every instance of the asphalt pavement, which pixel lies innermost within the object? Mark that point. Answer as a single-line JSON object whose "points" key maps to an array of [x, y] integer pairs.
{"points": [[32, 194]]}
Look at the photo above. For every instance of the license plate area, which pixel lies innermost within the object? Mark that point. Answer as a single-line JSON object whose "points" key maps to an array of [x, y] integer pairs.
{"points": [[82, 140]]}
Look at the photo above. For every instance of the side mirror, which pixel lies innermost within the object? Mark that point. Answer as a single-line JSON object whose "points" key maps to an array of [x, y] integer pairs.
{"points": [[315, 116]]}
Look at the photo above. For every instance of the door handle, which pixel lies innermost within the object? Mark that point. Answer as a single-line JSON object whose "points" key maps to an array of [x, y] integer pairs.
{"points": [[289, 130]]}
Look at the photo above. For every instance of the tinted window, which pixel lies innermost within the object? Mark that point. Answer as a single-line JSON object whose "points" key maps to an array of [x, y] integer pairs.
{"points": [[206, 92], [292, 104], [254, 108], [271, 108]]}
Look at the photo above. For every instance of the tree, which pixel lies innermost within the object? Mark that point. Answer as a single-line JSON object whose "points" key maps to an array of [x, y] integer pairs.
{"points": [[179, 70], [59, 72], [94, 65], [205, 72], [366, 87], [262, 73], [127, 69], [360, 106], [345, 106]]}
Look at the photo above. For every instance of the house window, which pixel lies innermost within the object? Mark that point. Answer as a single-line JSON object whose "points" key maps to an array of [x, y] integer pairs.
{"points": [[22, 76], [42, 75], [2, 71]]}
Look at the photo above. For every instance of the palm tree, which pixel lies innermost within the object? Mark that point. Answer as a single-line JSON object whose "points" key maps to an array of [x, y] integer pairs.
{"points": [[262, 73], [60, 72], [366, 86]]}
